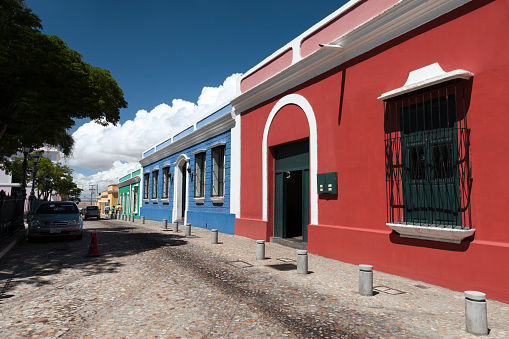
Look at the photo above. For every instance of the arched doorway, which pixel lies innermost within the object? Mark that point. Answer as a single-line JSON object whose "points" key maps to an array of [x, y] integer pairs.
{"points": [[291, 191], [295, 169], [181, 190]]}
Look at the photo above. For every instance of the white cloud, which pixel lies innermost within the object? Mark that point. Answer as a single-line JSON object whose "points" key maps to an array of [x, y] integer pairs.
{"points": [[116, 150], [101, 180], [97, 147]]}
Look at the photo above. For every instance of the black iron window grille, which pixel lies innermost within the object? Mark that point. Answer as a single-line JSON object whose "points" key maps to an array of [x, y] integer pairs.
{"points": [[155, 183], [218, 171], [199, 164], [428, 171], [145, 185], [166, 183]]}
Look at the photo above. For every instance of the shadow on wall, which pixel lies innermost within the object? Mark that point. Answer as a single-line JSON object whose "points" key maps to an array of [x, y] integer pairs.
{"points": [[395, 238]]}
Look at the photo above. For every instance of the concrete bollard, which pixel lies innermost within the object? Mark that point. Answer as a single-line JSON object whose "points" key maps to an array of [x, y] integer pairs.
{"points": [[366, 280], [175, 226], [476, 314], [142, 220], [214, 236], [302, 262], [165, 224], [188, 230], [260, 249]]}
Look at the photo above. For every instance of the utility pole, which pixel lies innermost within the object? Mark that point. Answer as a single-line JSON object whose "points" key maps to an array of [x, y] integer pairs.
{"points": [[91, 188]]}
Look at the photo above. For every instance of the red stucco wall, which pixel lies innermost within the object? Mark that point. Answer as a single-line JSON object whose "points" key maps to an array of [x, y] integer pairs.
{"points": [[350, 125]]}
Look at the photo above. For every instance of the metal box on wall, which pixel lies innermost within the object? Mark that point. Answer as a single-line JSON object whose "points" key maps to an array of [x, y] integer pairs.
{"points": [[327, 183]]}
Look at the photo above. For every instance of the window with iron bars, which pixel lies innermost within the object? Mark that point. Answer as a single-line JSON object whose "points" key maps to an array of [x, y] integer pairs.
{"points": [[428, 172], [199, 164], [166, 182], [145, 185], [218, 171]]}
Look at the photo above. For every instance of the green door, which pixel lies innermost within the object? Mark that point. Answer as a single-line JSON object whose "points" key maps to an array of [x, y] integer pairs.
{"points": [[429, 149], [291, 198]]}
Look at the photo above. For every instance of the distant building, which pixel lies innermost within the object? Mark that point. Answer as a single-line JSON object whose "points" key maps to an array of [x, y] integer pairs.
{"points": [[12, 185], [108, 198], [189, 177], [129, 197]]}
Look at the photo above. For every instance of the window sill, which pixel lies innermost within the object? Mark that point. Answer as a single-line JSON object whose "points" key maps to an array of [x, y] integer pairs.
{"points": [[155, 201], [217, 200], [199, 200], [146, 200], [165, 201], [432, 233]]}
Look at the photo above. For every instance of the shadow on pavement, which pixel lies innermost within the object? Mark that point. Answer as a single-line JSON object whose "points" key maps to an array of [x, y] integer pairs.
{"points": [[32, 262]]}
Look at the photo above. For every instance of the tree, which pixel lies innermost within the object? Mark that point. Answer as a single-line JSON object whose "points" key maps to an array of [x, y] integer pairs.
{"points": [[45, 86], [59, 177]]}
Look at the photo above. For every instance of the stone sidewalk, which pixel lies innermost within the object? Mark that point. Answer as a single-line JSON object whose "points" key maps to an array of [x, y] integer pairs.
{"points": [[419, 307], [175, 286]]}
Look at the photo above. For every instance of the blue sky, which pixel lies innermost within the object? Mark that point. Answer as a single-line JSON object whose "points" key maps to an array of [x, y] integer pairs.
{"points": [[159, 50]]}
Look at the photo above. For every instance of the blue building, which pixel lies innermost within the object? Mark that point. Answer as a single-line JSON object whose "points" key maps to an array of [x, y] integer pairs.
{"points": [[191, 178]]}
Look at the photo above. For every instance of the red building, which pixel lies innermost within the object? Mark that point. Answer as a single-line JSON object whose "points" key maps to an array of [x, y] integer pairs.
{"points": [[378, 137]]}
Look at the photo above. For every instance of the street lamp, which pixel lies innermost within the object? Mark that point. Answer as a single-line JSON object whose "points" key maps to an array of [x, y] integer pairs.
{"points": [[25, 150], [35, 159]]}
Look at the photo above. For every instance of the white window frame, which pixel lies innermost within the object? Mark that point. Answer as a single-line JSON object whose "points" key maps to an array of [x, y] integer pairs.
{"points": [[217, 199]]}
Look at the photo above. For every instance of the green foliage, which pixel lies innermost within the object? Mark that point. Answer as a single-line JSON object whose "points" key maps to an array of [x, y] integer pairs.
{"points": [[45, 85], [60, 177]]}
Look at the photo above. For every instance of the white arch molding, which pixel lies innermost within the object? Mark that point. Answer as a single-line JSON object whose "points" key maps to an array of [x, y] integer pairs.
{"points": [[298, 100], [177, 186]]}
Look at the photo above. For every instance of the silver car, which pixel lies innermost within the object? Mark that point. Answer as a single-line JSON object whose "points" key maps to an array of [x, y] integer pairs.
{"points": [[56, 218]]}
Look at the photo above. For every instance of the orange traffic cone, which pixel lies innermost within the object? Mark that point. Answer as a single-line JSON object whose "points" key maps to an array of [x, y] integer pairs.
{"points": [[93, 251]]}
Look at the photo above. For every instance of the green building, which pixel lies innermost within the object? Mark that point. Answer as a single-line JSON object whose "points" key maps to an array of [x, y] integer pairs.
{"points": [[128, 196]]}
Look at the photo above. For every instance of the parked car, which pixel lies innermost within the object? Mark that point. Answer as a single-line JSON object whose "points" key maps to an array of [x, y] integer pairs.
{"points": [[56, 218], [91, 212]]}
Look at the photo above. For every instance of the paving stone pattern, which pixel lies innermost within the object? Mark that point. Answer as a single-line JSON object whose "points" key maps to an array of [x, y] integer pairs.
{"points": [[152, 283]]}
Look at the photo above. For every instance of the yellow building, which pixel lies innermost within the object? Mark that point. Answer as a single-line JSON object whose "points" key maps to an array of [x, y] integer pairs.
{"points": [[108, 197]]}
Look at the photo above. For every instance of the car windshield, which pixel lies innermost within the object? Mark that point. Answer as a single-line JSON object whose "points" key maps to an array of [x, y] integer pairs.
{"points": [[92, 207], [57, 209]]}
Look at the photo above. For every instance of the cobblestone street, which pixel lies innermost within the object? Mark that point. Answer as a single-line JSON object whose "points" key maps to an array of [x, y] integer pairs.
{"points": [[153, 283]]}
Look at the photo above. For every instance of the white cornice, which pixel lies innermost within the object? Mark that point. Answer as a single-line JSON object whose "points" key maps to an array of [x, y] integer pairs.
{"points": [[129, 181], [399, 19], [426, 77], [218, 126]]}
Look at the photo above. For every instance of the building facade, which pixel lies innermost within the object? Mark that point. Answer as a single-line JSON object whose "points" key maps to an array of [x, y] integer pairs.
{"points": [[128, 194], [376, 136], [108, 198], [188, 177]]}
